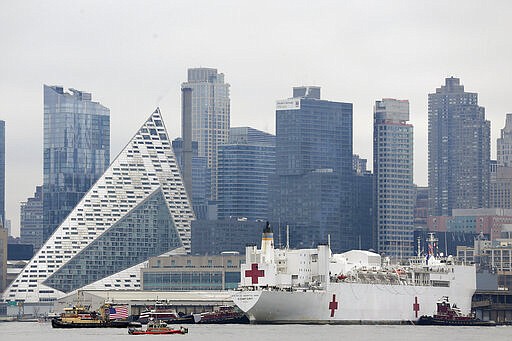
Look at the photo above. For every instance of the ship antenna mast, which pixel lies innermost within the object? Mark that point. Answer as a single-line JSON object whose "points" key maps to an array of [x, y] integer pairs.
{"points": [[287, 236]]}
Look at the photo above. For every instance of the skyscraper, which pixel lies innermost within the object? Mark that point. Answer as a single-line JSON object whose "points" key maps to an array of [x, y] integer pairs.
{"points": [[500, 195], [362, 205], [311, 189], [504, 144], [245, 165], [76, 150], [200, 177], [2, 172], [458, 150], [3, 257], [210, 115], [137, 209], [393, 178], [31, 220]]}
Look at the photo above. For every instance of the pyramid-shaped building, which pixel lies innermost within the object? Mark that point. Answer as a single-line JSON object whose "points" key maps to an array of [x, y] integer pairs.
{"points": [[138, 209]]}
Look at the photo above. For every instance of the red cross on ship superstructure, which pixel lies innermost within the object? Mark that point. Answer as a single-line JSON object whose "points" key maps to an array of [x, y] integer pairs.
{"points": [[416, 306], [254, 273], [333, 305]]}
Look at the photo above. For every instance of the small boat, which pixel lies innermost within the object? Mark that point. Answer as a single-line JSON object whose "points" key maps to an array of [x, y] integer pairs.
{"points": [[223, 315], [165, 313], [450, 315], [156, 328]]}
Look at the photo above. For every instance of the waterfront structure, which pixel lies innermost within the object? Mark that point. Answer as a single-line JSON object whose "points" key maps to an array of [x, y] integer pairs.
{"points": [[393, 178], [492, 255], [31, 220], [187, 272], [245, 165], [210, 113], [458, 150], [138, 209], [212, 237], [311, 189], [76, 150], [2, 173]]}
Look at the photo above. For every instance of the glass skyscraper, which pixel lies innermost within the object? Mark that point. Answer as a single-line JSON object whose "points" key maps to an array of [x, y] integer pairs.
{"points": [[458, 150], [76, 150], [245, 165], [311, 189], [393, 178], [210, 115]]}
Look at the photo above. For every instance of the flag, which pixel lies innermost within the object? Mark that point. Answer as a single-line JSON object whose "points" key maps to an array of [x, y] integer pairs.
{"points": [[118, 312]]}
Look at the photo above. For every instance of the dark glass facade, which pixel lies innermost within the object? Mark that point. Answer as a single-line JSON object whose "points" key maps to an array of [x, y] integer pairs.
{"points": [[312, 189], [244, 168], [76, 151], [211, 237]]}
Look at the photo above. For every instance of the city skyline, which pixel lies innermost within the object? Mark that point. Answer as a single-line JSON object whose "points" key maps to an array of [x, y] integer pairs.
{"points": [[134, 57]]}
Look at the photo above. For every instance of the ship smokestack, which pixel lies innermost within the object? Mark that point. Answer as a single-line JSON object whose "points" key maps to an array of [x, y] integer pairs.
{"points": [[267, 244]]}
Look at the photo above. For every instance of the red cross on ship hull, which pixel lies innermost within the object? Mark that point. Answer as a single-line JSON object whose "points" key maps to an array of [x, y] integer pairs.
{"points": [[333, 305], [254, 273], [416, 306]]}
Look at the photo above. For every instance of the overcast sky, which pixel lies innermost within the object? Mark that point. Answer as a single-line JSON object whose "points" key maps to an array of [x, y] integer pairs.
{"points": [[133, 55]]}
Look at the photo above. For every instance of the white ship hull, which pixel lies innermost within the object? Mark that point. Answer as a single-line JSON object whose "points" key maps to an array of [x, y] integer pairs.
{"points": [[355, 303], [355, 287]]}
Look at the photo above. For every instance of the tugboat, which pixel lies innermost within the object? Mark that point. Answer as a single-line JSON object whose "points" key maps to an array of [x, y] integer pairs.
{"points": [[156, 328], [224, 315], [80, 316], [450, 315]]}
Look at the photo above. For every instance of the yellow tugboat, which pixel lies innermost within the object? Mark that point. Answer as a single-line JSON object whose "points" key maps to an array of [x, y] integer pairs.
{"points": [[80, 316]]}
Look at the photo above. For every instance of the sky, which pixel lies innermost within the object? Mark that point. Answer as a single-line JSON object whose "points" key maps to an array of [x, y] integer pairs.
{"points": [[133, 56]]}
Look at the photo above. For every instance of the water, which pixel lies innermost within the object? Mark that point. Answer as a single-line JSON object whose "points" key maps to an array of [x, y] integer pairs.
{"points": [[34, 331]]}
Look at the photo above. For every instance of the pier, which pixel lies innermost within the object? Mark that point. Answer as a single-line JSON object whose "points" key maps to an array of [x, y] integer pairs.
{"points": [[493, 305]]}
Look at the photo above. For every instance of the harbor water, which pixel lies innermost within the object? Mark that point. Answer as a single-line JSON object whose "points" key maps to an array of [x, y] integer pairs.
{"points": [[35, 331]]}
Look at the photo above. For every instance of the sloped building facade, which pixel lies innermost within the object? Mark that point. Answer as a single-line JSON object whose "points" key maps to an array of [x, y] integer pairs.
{"points": [[138, 209]]}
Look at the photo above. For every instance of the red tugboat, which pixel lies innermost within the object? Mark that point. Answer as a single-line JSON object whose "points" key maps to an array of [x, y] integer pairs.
{"points": [[223, 315], [450, 315], [156, 328]]}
